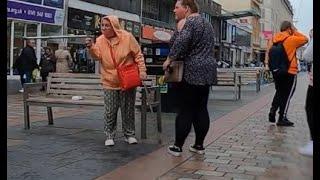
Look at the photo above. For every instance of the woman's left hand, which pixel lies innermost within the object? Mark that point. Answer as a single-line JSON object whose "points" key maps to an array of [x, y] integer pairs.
{"points": [[143, 76]]}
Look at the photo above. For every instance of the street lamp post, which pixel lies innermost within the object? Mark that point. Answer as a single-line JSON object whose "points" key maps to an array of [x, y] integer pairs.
{"points": [[141, 10]]}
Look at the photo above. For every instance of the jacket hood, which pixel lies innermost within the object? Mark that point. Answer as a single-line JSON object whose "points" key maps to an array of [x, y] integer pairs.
{"points": [[114, 20], [280, 36]]}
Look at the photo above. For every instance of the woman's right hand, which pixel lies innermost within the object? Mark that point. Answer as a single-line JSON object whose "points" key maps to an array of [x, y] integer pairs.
{"points": [[166, 65]]}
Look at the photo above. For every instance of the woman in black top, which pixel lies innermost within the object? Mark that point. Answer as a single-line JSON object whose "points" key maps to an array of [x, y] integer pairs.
{"points": [[193, 44]]}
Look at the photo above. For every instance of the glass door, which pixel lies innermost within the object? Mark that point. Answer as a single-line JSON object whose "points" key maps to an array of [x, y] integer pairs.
{"points": [[19, 29]]}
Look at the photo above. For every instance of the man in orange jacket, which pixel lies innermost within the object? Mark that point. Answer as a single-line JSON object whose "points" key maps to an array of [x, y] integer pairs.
{"points": [[285, 84]]}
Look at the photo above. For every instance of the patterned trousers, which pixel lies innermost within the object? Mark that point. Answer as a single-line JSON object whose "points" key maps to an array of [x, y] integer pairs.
{"points": [[113, 99]]}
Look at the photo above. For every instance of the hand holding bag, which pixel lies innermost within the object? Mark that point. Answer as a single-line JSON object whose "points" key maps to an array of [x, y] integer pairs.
{"points": [[128, 74], [174, 72]]}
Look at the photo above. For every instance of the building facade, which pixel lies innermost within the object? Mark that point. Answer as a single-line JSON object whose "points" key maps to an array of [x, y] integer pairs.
{"points": [[272, 14], [250, 22], [235, 43], [31, 18]]}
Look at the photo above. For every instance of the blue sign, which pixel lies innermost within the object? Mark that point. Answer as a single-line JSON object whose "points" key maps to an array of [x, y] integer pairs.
{"points": [[34, 13]]}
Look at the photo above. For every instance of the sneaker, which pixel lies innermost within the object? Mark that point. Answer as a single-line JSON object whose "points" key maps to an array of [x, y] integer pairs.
{"points": [[284, 122], [272, 118], [21, 90], [174, 150], [131, 140], [307, 150], [196, 149], [109, 142]]}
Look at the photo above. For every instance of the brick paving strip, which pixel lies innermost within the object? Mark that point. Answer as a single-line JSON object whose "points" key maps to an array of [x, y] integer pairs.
{"points": [[158, 163]]}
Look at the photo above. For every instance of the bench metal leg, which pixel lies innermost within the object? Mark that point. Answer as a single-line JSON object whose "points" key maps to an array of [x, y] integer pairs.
{"points": [[26, 116], [159, 123], [235, 92], [50, 117], [239, 92], [143, 115]]}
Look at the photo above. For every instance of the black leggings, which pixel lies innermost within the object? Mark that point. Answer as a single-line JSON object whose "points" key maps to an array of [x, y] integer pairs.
{"points": [[192, 110], [309, 110]]}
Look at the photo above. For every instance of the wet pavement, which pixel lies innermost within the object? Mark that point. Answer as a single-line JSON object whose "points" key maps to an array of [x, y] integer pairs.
{"points": [[243, 144]]}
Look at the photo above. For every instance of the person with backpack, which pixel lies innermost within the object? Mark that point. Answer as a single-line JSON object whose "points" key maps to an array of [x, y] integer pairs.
{"points": [[283, 65], [26, 63]]}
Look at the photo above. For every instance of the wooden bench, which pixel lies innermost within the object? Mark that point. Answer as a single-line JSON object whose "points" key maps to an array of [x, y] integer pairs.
{"points": [[61, 87], [248, 75], [231, 79]]}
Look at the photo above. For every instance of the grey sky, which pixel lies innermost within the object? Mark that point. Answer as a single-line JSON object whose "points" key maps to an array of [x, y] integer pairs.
{"points": [[303, 14]]}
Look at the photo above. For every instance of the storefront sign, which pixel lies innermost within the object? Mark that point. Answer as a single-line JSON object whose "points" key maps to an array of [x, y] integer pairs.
{"points": [[267, 34], [156, 34], [34, 13], [79, 19], [127, 25]]}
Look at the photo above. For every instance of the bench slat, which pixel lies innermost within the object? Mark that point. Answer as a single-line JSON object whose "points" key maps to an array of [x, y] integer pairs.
{"points": [[76, 92], [65, 101], [74, 75], [76, 86], [72, 80]]}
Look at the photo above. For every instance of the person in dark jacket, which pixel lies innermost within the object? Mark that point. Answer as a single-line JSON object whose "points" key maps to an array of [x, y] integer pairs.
{"points": [[47, 64], [26, 63], [194, 44]]}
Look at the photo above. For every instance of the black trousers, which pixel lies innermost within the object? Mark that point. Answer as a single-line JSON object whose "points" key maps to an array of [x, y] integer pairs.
{"points": [[192, 110], [285, 85], [309, 110]]}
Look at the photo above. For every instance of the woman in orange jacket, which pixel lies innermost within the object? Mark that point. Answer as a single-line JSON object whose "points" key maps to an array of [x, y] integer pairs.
{"points": [[126, 51]]}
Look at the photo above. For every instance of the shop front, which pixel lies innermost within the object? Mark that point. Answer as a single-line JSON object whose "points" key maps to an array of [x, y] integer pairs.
{"points": [[155, 47], [31, 18], [82, 22]]}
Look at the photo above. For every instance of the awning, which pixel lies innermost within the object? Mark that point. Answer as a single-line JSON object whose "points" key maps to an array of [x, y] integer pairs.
{"points": [[239, 14]]}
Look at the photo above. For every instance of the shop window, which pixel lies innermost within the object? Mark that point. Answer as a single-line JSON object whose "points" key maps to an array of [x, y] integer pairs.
{"points": [[31, 30], [51, 30], [233, 34], [224, 30], [18, 43]]}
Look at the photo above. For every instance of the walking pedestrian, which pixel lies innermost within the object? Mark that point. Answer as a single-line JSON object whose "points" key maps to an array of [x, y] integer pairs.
{"points": [[26, 63], [47, 64], [285, 83], [126, 50], [308, 57], [63, 59], [194, 43]]}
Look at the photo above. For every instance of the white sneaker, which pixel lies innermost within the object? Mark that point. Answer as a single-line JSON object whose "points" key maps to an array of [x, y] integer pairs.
{"points": [[109, 142], [131, 140], [307, 149], [21, 90]]}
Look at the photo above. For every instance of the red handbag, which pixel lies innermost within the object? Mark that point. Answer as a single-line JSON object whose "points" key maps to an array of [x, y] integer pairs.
{"points": [[128, 74]]}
